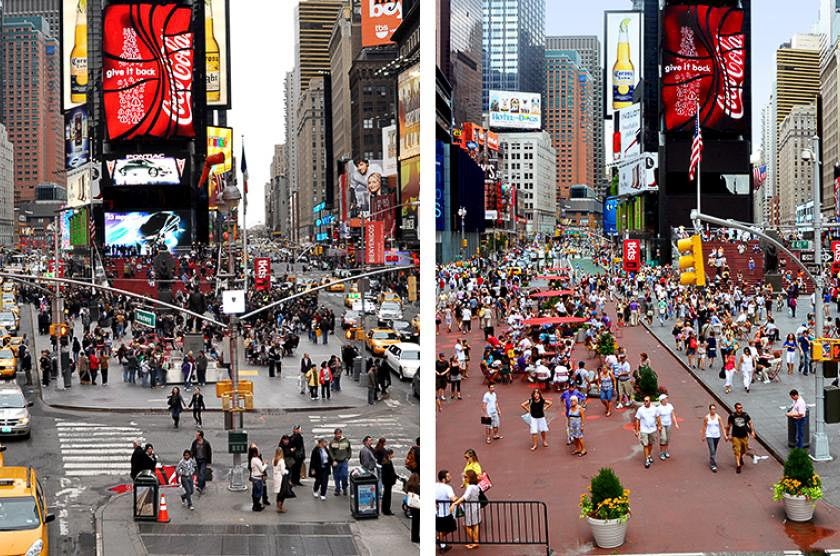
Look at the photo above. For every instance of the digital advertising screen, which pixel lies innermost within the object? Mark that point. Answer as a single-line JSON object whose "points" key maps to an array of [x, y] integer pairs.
{"points": [[408, 92], [146, 169], [217, 39], [146, 229], [704, 61], [622, 58], [74, 53], [515, 109], [380, 18], [76, 138], [147, 71]]}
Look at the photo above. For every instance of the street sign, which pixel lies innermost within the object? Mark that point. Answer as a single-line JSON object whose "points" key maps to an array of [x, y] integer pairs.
{"points": [[802, 244], [807, 257], [237, 442], [145, 318]]}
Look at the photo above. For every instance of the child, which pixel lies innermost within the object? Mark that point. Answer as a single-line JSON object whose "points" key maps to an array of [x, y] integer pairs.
{"points": [[389, 479], [701, 353], [185, 470]]}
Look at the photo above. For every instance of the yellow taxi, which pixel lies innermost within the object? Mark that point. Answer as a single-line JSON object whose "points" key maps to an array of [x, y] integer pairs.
{"points": [[378, 340], [336, 287], [352, 295], [8, 364], [390, 296], [12, 342], [23, 513]]}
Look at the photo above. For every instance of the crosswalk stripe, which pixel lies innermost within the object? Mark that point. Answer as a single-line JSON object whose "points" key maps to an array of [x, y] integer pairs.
{"points": [[96, 450], [92, 472], [92, 449], [115, 445], [93, 457], [65, 427], [112, 465]]}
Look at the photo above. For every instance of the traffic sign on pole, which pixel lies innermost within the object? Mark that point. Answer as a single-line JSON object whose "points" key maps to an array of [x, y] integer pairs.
{"points": [[145, 318]]}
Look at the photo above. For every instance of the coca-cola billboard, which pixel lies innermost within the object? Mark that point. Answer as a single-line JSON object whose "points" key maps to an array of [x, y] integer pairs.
{"points": [[147, 71], [704, 60]]}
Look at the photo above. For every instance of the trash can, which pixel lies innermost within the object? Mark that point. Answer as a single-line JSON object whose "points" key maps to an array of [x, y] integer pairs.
{"points": [[357, 367], [832, 404], [792, 431], [364, 494], [146, 499]]}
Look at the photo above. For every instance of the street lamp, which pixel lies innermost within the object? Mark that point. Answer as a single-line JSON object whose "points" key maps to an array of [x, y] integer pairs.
{"points": [[821, 452], [462, 212], [231, 197]]}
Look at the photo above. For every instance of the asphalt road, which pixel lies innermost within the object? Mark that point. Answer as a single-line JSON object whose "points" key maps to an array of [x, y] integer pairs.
{"points": [[80, 455]]}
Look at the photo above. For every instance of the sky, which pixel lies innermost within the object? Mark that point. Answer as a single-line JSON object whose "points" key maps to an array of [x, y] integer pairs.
{"points": [[774, 23], [262, 51]]}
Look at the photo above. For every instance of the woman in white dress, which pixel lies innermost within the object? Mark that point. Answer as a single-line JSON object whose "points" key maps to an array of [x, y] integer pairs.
{"points": [[471, 506], [746, 364]]}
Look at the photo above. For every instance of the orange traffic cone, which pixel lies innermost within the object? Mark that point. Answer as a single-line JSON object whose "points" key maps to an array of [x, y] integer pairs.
{"points": [[163, 513]]}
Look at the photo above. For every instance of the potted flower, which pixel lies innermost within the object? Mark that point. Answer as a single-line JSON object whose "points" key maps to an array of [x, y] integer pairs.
{"points": [[607, 508], [799, 487]]}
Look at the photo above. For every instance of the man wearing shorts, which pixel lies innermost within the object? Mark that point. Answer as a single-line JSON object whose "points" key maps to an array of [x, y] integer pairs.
{"points": [[491, 413], [621, 370], [739, 428], [646, 424], [667, 417], [444, 520]]}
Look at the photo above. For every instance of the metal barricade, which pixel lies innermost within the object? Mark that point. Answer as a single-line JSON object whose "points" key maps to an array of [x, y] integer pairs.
{"points": [[502, 523]]}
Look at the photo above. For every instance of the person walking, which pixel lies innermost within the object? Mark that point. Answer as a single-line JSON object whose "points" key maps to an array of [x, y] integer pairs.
{"points": [[804, 344], [790, 348], [280, 479], [746, 364], [186, 471], [667, 419], [441, 379], [202, 453], [389, 479], [491, 414], [472, 508], [799, 413], [455, 369], [340, 451], [325, 380], [711, 433], [197, 405], [320, 464], [93, 366], [536, 406], [371, 384], [201, 368], [312, 382], [622, 374], [646, 425], [577, 418], [728, 372], [104, 361], [176, 405], [257, 476], [367, 459], [739, 427], [445, 523], [298, 451], [607, 384], [305, 365]]}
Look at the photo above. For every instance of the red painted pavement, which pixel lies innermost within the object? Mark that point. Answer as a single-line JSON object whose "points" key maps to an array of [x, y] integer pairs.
{"points": [[678, 505]]}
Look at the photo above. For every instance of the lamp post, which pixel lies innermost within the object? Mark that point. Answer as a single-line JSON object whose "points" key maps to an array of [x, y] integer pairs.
{"points": [[462, 212], [821, 452], [231, 197]]}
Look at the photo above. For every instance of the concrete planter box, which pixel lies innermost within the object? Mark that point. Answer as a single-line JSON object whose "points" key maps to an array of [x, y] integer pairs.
{"points": [[608, 533], [798, 508]]}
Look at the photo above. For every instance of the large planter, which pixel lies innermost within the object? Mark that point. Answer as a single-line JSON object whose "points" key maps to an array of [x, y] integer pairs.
{"points": [[798, 508], [608, 533]]}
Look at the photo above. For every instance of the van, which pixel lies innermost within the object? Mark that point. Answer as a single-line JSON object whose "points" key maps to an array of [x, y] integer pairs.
{"points": [[14, 412]]}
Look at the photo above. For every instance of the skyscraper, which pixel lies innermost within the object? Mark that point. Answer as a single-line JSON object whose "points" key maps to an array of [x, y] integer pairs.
{"points": [[797, 73], [30, 103], [50, 10], [795, 175], [7, 187], [567, 117], [514, 46], [314, 20], [464, 60], [588, 48]]}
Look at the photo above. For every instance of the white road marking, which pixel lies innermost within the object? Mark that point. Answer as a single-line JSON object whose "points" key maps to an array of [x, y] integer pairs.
{"points": [[94, 473], [78, 465]]}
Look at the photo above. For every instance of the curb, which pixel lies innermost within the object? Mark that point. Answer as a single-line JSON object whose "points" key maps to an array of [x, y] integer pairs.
{"points": [[772, 451], [99, 531], [159, 411]]}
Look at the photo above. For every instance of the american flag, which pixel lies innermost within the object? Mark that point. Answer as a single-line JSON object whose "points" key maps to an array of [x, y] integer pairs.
{"points": [[696, 147], [759, 176]]}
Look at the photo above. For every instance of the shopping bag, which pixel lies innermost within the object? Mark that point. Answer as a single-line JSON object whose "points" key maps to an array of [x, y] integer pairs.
{"points": [[527, 418], [484, 482]]}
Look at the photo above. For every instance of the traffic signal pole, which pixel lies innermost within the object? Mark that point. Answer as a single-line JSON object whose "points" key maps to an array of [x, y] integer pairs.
{"points": [[58, 304]]}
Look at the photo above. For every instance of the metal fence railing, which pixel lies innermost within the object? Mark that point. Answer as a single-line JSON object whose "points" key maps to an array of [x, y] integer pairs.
{"points": [[500, 523]]}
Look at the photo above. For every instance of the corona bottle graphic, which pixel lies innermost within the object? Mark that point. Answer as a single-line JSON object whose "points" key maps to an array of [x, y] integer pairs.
{"points": [[214, 80], [624, 74], [78, 57]]}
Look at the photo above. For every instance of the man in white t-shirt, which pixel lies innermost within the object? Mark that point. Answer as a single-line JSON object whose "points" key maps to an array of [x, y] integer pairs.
{"points": [[444, 520], [646, 424], [621, 370], [491, 414], [667, 419]]}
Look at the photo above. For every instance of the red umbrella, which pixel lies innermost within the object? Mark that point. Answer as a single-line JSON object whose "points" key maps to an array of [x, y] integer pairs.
{"points": [[552, 293], [543, 321], [552, 277]]}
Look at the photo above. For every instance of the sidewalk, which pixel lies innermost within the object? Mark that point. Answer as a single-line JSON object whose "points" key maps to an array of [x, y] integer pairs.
{"points": [[269, 393], [223, 523], [767, 403]]}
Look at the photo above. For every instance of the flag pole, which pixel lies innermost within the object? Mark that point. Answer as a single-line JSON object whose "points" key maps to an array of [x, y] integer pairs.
{"points": [[244, 219], [699, 162]]}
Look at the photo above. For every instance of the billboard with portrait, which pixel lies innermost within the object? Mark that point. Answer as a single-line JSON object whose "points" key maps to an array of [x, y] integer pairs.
{"points": [[622, 59], [408, 93], [380, 18], [74, 53], [76, 138], [145, 169], [514, 109], [147, 71], [704, 60], [409, 193], [365, 181], [217, 52], [144, 230], [382, 209]]}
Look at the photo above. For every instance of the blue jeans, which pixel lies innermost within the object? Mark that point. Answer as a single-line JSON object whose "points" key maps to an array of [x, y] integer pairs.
{"points": [[800, 432], [187, 485], [804, 362], [201, 471], [257, 486], [340, 476]]}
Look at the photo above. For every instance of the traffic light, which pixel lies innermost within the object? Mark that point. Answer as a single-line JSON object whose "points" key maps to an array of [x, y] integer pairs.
{"points": [[691, 257], [60, 330]]}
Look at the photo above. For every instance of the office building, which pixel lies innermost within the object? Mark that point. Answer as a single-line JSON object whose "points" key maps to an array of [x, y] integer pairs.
{"points": [[30, 103], [276, 193], [513, 41], [588, 48], [797, 73], [795, 175], [312, 152], [7, 188], [314, 20], [567, 117], [49, 10], [461, 37], [372, 100], [291, 95], [344, 43], [829, 81], [530, 166]]}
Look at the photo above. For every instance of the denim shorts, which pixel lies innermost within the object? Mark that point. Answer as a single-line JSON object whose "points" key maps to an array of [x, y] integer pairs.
{"points": [[606, 394]]}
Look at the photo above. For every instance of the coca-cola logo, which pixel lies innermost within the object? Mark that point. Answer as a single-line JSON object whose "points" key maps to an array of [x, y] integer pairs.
{"points": [[729, 54], [177, 52]]}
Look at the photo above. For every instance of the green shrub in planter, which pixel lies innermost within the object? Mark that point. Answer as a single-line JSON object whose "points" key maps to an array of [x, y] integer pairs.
{"points": [[606, 499], [647, 385], [606, 344]]}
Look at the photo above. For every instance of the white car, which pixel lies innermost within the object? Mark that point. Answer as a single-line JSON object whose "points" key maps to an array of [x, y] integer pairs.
{"points": [[370, 307], [389, 310], [403, 359]]}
